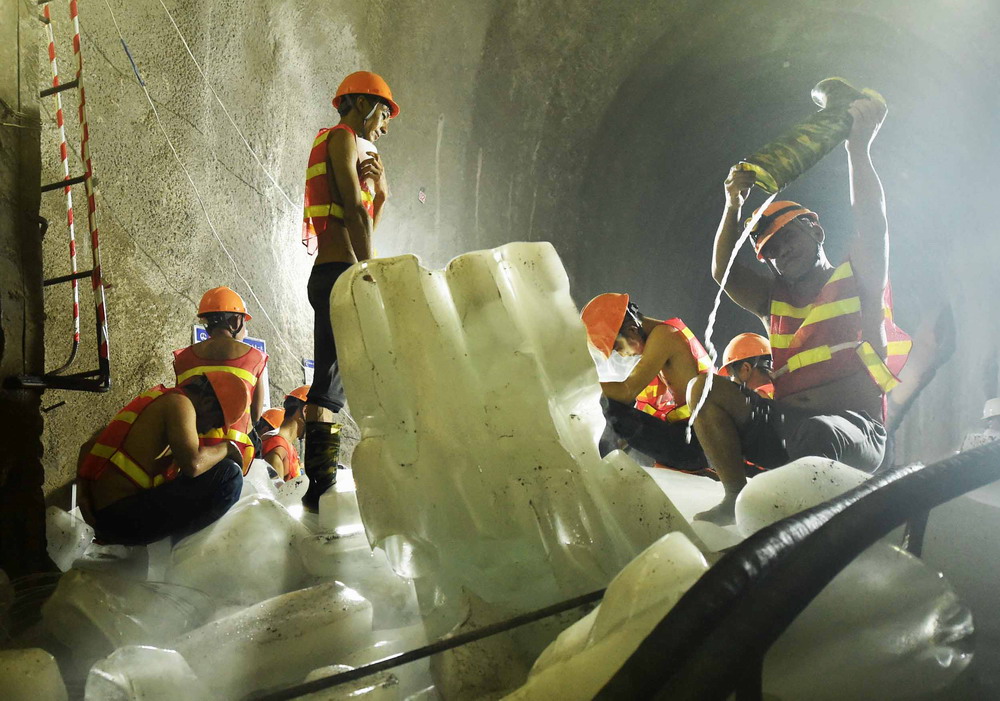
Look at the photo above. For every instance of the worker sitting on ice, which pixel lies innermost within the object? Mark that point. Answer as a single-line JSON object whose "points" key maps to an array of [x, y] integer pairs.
{"points": [[647, 409], [834, 345], [146, 476], [279, 447], [991, 427], [345, 194], [225, 316], [747, 362]]}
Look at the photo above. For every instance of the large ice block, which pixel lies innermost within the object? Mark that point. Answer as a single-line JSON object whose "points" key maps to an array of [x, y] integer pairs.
{"points": [[68, 536], [137, 673], [478, 402], [257, 481], [278, 641], [581, 660], [799, 485], [246, 556], [95, 612], [30, 675]]}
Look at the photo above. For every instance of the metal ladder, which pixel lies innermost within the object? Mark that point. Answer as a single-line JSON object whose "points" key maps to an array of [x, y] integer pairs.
{"points": [[98, 380]]}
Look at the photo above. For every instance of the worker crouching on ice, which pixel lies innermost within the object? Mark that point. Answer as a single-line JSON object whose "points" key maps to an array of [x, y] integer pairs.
{"points": [[747, 362], [648, 409], [225, 316], [146, 476], [345, 193], [279, 447], [835, 348]]}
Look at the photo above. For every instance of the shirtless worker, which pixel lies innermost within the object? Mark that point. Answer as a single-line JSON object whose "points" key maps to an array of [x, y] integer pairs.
{"points": [[225, 316], [279, 447], [345, 195], [834, 345], [146, 476], [644, 409]]}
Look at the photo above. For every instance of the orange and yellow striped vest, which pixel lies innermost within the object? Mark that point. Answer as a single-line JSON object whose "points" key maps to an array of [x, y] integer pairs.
{"points": [[248, 368], [657, 399], [822, 341], [107, 450], [292, 456], [319, 206]]}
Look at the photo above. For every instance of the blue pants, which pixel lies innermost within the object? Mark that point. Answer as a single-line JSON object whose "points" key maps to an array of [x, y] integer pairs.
{"points": [[176, 509]]}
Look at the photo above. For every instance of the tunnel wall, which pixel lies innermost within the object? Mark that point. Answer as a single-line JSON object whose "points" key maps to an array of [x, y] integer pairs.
{"points": [[606, 129]]}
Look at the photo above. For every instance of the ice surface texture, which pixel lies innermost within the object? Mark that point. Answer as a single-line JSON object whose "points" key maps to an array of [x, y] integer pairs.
{"points": [[68, 536], [135, 673], [30, 675], [478, 404]]}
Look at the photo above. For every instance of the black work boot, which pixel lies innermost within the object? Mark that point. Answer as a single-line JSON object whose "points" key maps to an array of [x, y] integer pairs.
{"points": [[322, 453]]}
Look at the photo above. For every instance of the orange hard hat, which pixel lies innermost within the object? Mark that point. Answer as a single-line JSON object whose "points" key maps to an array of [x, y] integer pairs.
{"points": [[775, 216], [743, 346], [300, 393], [232, 393], [603, 317], [366, 83], [222, 299], [273, 417]]}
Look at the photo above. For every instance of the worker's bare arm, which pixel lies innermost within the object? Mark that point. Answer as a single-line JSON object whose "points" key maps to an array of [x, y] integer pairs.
{"points": [[276, 459], [870, 245], [372, 167], [182, 436], [661, 345], [747, 287], [342, 151], [257, 402]]}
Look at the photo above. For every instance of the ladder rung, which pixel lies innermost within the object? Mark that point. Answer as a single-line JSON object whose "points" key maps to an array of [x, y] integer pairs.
{"points": [[60, 184], [59, 88], [66, 278]]}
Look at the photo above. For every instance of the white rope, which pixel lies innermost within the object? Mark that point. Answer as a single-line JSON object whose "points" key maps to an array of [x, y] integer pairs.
{"points": [[709, 346], [228, 115], [197, 193]]}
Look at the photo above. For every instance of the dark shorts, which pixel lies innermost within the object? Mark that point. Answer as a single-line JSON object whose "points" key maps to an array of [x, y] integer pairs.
{"points": [[175, 509], [777, 433], [327, 389], [663, 441]]}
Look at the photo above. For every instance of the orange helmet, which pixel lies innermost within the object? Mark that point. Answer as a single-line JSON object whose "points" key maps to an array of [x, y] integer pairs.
{"points": [[743, 346], [366, 83], [273, 417], [232, 393], [222, 299], [300, 393], [603, 317], [773, 218]]}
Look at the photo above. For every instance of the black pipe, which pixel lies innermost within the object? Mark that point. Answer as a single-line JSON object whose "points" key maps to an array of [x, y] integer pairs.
{"points": [[721, 629]]}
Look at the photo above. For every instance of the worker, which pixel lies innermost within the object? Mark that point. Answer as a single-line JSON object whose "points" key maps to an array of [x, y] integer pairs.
{"points": [[835, 347], [345, 196], [990, 430], [146, 476], [747, 362], [279, 447], [270, 421], [224, 315], [647, 409]]}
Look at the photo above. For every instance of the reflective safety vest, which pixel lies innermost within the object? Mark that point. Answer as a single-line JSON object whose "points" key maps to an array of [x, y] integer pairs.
{"points": [[248, 367], [822, 341], [319, 206], [291, 458], [657, 399], [108, 452]]}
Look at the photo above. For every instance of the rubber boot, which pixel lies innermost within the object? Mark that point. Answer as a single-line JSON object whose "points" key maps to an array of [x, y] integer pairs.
{"points": [[322, 454]]}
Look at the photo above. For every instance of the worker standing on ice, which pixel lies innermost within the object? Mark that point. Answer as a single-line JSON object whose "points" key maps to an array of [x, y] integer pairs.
{"points": [[225, 316], [279, 447], [345, 194], [747, 362], [648, 409], [146, 475], [834, 345]]}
